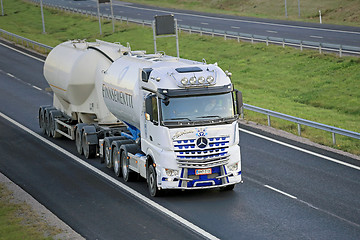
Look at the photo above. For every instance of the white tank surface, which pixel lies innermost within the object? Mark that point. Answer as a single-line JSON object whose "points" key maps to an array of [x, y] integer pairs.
{"points": [[74, 71]]}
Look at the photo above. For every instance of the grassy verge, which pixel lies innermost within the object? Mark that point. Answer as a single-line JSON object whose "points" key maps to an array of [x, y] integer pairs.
{"points": [[345, 12], [18, 221], [322, 88]]}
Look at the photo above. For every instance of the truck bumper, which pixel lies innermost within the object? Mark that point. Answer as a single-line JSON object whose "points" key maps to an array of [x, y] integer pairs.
{"points": [[189, 180]]}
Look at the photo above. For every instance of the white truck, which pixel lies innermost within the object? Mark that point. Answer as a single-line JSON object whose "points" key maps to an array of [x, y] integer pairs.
{"points": [[171, 121]]}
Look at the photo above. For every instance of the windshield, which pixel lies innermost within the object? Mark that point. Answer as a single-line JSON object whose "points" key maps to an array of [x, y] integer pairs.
{"points": [[198, 108]]}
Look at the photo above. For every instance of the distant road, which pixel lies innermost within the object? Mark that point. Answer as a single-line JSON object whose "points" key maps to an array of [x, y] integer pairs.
{"points": [[334, 34]]}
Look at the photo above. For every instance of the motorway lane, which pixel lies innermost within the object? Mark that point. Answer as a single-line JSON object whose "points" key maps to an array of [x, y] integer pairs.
{"points": [[314, 32], [250, 211]]}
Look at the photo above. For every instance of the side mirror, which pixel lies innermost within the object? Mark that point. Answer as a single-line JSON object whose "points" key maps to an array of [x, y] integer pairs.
{"points": [[145, 74], [239, 101]]}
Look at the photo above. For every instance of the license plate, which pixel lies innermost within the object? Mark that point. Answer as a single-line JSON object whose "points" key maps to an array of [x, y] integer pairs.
{"points": [[203, 171]]}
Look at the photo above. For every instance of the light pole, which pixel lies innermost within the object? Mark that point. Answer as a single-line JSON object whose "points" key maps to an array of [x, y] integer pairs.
{"points": [[98, 10], [112, 16], [2, 9], [42, 15], [286, 15], [299, 7]]}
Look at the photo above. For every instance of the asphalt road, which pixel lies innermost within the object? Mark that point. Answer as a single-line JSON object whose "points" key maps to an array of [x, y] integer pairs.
{"points": [[324, 33], [287, 193]]}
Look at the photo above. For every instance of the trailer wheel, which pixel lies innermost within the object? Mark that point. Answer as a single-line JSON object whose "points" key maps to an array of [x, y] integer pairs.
{"points": [[152, 182], [47, 120], [78, 142], [116, 161], [89, 141], [52, 124], [89, 150], [42, 118]]}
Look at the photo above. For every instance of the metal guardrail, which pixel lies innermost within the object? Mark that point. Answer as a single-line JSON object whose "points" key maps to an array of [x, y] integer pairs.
{"points": [[300, 121], [321, 47], [24, 41], [269, 113]]}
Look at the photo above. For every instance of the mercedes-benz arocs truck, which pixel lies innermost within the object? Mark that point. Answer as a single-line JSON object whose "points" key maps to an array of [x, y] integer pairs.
{"points": [[171, 121]]}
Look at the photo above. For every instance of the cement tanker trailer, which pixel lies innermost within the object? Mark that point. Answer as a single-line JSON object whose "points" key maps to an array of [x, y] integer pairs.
{"points": [[171, 121]]}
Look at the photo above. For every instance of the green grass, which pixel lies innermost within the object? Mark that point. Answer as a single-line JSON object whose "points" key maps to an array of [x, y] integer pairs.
{"points": [[344, 12], [18, 221], [318, 87]]}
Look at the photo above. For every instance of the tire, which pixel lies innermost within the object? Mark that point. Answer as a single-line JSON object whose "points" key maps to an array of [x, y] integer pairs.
{"points": [[89, 150], [78, 137], [116, 161], [127, 173], [107, 153], [228, 188], [89, 142], [52, 124], [47, 120], [42, 118], [152, 182]]}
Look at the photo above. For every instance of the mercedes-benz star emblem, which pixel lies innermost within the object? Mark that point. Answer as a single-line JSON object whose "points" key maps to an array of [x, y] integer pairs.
{"points": [[201, 142]]}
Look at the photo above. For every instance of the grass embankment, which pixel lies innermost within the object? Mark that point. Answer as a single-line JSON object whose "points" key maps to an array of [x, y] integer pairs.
{"points": [[344, 12], [18, 221], [322, 88]]}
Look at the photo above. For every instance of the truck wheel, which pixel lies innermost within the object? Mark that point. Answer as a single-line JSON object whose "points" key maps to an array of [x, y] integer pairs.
{"points": [[107, 153], [116, 161], [42, 118], [152, 182], [78, 142], [89, 150], [228, 187], [127, 173], [89, 141], [47, 120], [52, 124]]}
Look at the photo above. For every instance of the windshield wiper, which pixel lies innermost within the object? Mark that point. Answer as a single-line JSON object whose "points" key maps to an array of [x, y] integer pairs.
{"points": [[210, 116], [181, 118]]}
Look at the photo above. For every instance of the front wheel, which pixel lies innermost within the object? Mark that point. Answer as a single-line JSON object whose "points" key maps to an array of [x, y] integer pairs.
{"points": [[152, 182], [228, 187]]}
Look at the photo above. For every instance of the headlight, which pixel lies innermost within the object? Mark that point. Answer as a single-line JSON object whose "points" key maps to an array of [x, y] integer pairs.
{"points": [[192, 80], [233, 167], [184, 81], [171, 172], [210, 79], [201, 80]]}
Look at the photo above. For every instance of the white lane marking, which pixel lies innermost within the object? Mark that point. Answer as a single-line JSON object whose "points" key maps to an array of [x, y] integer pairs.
{"points": [[205, 23], [136, 194], [319, 37], [235, 27], [304, 202], [279, 191], [303, 150], [22, 52], [270, 31], [245, 21], [10, 75], [37, 88]]}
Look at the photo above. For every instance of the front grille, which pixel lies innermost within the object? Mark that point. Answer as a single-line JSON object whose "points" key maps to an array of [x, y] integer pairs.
{"points": [[215, 153]]}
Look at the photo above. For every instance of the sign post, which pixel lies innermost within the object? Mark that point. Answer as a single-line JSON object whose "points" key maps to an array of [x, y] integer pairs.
{"points": [[165, 26], [98, 10]]}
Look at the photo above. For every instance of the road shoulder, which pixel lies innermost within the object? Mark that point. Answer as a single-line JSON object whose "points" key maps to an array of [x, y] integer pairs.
{"points": [[19, 196]]}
